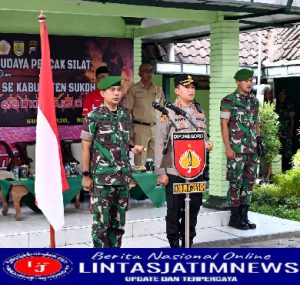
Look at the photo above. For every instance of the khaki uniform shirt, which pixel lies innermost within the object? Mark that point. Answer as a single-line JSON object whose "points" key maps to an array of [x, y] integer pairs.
{"points": [[163, 133], [139, 99]]}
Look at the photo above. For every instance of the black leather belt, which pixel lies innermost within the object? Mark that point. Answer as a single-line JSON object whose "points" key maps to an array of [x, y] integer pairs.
{"points": [[144, 124]]}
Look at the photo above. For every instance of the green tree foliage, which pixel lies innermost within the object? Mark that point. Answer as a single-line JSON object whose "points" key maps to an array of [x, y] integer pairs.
{"points": [[289, 182], [269, 125]]}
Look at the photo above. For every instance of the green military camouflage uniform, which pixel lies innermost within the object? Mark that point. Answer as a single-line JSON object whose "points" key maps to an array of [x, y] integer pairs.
{"points": [[111, 173], [242, 112], [285, 112]]}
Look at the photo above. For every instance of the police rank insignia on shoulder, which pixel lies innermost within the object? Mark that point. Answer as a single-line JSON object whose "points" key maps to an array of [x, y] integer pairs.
{"points": [[163, 118]]}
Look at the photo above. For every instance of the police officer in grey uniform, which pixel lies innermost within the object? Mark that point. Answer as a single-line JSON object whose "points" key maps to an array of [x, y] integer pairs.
{"points": [[185, 87]]}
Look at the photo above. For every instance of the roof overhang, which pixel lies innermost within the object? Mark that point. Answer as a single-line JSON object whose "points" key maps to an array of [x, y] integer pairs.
{"points": [[159, 20], [288, 70], [291, 69]]}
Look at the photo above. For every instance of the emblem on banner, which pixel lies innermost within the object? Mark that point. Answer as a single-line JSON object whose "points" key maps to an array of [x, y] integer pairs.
{"points": [[32, 46], [18, 48], [189, 154], [4, 47]]}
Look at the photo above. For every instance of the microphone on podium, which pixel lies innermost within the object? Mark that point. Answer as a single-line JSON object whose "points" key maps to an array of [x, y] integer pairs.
{"points": [[160, 108], [177, 110]]}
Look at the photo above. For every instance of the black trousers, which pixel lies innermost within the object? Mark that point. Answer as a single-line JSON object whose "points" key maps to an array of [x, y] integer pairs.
{"points": [[175, 219]]}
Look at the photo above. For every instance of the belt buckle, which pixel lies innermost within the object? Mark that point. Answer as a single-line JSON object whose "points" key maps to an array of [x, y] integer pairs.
{"points": [[152, 124]]}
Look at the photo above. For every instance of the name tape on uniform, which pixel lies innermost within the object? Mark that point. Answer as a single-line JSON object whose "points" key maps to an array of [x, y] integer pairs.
{"points": [[189, 136], [193, 187]]}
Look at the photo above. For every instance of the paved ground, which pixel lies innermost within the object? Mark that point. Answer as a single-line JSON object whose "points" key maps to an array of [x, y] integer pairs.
{"points": [[145, 228], [286, 241], [281, 242]]}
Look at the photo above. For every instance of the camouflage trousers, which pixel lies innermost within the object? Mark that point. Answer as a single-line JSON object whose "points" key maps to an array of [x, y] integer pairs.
{"points": [[109, 203], [241, 174], [286, 145], [286, 151]]}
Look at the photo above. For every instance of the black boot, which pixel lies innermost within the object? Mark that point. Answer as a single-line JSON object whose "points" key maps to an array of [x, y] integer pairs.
{"points": [[236, 220], [174, 243], [244, 214]]}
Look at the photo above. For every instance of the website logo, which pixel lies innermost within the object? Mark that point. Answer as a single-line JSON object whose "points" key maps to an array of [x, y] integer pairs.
{"points": [[37, 266]]}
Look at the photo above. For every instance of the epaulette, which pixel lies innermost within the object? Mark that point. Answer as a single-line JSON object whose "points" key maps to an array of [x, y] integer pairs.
{"points": [[198, 107]]}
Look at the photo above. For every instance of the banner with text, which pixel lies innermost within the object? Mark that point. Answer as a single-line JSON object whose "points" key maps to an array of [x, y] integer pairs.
{"points": [[151, 266], [74, 61]]}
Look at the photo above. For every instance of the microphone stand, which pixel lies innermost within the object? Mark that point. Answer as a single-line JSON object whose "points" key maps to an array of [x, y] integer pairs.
{"points": [[187, 201], [180, 112], [165, 112], [187, 195]]}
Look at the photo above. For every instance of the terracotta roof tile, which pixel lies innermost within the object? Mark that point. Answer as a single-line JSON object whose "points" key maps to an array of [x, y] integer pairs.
{"points": [[287, 42], [197, 52], [277, 44]]}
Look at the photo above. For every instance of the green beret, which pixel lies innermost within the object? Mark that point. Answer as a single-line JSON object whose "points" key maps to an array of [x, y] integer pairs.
{"points": [[243, 74], [109, 81]]}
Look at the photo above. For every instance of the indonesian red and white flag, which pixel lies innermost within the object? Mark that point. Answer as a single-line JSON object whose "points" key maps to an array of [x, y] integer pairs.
{"points": [[50, 178]]}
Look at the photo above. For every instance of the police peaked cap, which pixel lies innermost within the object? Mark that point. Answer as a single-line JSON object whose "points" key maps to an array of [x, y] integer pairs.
{"points": [[109, 81], [185, 80], [243, 74]]}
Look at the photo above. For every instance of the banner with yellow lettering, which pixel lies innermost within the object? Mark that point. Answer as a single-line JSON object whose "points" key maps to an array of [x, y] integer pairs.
{"points": [[74, 60]]}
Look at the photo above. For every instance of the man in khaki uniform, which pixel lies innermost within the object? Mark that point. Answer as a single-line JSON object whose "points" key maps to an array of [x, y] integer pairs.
{"points": [[138, 102]]}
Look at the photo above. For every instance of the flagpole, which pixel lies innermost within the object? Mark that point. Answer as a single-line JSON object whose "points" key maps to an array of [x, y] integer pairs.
{"points": [[52, 237], [42, 18], [50, 179]]}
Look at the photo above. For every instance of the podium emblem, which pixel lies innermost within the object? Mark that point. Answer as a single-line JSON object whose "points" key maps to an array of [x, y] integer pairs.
{"points": [[189, 153]]}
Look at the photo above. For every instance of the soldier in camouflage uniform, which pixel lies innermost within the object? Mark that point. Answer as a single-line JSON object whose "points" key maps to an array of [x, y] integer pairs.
{"points": [[286, 114], [105, 164], [240, 128]]}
